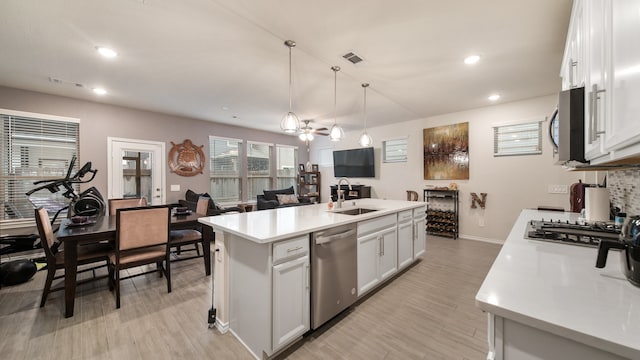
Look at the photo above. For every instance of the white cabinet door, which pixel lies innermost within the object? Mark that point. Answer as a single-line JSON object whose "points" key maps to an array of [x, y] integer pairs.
{"points": [[572, 71], [419, 237], [388, 254], [598, 86], [405, 243], [624, 127], [290, 301], [368, 254]]}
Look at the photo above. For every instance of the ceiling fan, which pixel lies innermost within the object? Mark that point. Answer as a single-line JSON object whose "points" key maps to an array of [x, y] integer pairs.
{"points": [[307, 133]]}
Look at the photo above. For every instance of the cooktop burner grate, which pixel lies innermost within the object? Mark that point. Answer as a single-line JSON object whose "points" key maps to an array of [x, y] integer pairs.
{"points": [[571, 233]]}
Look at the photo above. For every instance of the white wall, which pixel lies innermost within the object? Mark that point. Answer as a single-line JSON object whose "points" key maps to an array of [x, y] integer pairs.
{"points": [[512, 183]]}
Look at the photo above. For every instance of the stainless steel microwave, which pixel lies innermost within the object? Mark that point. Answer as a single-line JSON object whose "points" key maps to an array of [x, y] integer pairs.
{"points": [[567, 128]]}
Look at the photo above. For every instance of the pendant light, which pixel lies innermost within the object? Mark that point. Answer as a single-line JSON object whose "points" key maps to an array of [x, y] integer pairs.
{"points": [[365, 140], [336, 133], [290, 122]]}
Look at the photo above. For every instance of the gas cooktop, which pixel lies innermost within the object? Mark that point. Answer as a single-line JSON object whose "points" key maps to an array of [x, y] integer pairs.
{"points": [[573, 233]]}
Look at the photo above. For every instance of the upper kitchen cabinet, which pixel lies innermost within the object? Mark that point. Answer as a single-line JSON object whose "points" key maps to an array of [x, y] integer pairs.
{"points": [[602, 53], [572, 71], [597, 84], [624, 127]]}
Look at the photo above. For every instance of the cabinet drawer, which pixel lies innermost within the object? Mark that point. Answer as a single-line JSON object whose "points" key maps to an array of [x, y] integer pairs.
{"points": [[379, 223], [405, 215], [419, 213], [291, 248]]}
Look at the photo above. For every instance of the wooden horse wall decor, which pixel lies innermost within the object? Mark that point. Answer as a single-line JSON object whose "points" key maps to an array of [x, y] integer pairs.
{"points": [[186, 159], [476, 200]]}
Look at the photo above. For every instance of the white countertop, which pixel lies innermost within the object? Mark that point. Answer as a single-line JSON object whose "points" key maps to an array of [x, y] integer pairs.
{"points": [[266, 226], [558, 289]]}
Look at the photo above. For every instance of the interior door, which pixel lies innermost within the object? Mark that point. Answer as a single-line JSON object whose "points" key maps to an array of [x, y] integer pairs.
{"points": [[136, 169]]}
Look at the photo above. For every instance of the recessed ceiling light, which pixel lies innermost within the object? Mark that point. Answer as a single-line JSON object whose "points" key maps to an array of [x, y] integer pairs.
{"points": [[225, 108], [470, 60], [99, 91], [494, 97], [106, 52]]}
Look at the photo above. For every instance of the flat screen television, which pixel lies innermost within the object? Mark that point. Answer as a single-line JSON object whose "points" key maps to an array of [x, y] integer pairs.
{"points": [[354, 163]]}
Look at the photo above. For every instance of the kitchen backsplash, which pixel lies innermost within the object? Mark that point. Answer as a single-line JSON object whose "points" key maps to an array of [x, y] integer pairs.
{"points": [[624, 189]]}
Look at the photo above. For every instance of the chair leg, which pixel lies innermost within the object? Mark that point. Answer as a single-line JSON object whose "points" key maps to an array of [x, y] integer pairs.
{"points": [[111, 280], [159, 267], [168, 273], [51, 273], [117, 283], [197, 248], [178, 250]]}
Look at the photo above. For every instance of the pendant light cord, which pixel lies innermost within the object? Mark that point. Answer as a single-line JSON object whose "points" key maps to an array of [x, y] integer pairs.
{"points": [[365, 106], [290, 79], [335, 92]]}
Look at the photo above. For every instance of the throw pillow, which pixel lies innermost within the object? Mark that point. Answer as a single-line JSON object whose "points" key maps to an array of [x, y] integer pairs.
{"points": [[285, 199]]}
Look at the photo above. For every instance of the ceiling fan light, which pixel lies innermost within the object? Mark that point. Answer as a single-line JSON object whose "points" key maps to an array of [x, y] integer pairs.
{"points": [[336, 133], [310, 137], [365, 140], [290, 123]]}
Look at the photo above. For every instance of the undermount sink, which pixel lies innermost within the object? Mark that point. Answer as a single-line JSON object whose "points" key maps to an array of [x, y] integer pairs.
{"points": [[355, 211]]}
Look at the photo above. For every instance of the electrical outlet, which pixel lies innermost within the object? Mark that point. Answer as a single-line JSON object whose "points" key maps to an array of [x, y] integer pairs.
{"points": [[558, 189], [175, 187]]}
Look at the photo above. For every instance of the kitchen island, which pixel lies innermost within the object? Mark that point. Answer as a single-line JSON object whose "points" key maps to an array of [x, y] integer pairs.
{"points": [[548, 300], [262, 275]]}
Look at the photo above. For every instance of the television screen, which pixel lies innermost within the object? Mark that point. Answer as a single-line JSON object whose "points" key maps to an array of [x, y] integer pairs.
{"points": [[353, 163]]}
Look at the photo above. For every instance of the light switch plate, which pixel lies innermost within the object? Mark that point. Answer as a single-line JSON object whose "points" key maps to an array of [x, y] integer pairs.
{"points": [[175, 187], [558, 189]]}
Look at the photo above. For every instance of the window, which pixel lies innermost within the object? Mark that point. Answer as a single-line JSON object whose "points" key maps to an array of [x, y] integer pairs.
{"points": [[258, 169], [519, 139], [394, 150], [286, 160], [225, 160], [34, 147]]}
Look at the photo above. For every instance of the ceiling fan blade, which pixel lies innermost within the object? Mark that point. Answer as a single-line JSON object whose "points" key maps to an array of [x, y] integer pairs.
{"points": [[322, 129]]}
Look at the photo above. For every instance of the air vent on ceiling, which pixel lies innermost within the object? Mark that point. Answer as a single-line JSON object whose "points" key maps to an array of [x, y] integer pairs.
{"points": [[65, 82], [352, 57]]}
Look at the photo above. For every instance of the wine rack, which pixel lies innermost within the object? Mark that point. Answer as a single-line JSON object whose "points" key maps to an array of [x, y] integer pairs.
{"points": [[442, 212]]}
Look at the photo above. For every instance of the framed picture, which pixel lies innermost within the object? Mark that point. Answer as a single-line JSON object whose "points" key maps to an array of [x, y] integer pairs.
{"points": [[314, 167], [446, 152], [301, 168]]}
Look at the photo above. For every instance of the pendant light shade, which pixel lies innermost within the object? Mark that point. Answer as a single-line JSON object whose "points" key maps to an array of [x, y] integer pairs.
{"points": [[290, 122], [336, 133], [365, 139]]}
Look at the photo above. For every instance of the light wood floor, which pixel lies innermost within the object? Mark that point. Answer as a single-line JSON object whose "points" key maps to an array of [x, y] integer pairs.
{"points": [[428, 312]]}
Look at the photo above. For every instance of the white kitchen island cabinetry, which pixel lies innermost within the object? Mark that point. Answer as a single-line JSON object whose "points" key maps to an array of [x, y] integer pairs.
{"points": [[377, 246], [405, 238], [262, 287], [419, 231], [548, 300], [291, 291]]}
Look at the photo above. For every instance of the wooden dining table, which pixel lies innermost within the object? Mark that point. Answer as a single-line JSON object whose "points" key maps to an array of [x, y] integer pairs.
{"points": [[103, 228]]}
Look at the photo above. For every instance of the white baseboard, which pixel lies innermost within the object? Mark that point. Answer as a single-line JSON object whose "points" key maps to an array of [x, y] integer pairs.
{"points": [[478, 238], [222, 327]]}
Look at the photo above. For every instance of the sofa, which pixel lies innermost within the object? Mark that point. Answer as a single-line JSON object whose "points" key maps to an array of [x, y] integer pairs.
{"points": [[191, 200], [273, 199]]}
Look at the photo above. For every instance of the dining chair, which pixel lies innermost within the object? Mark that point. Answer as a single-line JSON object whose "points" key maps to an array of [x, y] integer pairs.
{"points": [[142, 235], [87, 254], [115, 204], [180, 238]]}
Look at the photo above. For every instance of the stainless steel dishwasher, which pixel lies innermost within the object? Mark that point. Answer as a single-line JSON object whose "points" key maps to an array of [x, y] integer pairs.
{"points": [[334, 268]]}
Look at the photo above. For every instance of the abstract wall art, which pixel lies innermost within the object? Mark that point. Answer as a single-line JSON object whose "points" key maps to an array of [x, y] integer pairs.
{"points": [[446, 152]]}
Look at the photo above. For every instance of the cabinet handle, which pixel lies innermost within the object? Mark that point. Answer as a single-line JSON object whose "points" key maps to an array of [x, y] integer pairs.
{"points": [[294, 249], [572, 66], [306, 278], [379, 246], [593, 116]]}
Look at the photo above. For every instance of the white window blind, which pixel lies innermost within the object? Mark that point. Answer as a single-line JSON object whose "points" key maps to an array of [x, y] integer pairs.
{"points": [[518, 139], [225, 156], [286, 159], [258, 169], [394, 150], [34, 147]]}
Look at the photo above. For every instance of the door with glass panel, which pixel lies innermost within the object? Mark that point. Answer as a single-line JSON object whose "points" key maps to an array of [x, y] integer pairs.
{"points": [[136, 169]]}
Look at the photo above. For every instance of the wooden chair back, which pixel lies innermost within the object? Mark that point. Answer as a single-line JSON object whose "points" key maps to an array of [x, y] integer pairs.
{"points": [[142, 227], [202, 205], [47, 238], [115, 204]]}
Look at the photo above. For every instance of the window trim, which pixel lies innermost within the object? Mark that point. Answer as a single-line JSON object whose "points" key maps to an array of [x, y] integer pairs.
{"points": [[496, 144], [398, 160], [30, 222]]}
